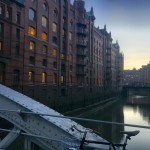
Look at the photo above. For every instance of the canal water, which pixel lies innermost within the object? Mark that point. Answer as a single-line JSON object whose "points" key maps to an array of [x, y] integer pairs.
{"points": [[134, 110]]}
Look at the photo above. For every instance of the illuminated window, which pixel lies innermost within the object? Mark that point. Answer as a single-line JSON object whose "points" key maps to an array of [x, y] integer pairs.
{"points": [[62, 79], [31, 76], [44, 50], [54, 52], [54, 27], [70, 35], [62, 56], [44, 36], [31, 45], [31, 31], [43, 77], [44, 21], [32, 14], [1, 46]]}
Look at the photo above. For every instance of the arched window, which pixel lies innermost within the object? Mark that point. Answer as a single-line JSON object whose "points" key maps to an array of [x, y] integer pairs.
{"points": [[31, 31], [44, 36], [31, 45], [44, 21], [32, 14], [54, 53], [44, 77], [31, 77]]}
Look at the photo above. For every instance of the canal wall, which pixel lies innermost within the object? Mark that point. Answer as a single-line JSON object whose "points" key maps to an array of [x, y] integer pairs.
{"points": [[67, 98]]}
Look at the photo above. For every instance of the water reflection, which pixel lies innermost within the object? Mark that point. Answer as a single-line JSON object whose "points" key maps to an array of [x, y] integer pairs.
{"points": [[134, 110]]}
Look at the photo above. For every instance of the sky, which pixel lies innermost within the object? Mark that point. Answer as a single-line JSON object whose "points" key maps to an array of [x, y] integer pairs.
{"points": [[129, 23]]}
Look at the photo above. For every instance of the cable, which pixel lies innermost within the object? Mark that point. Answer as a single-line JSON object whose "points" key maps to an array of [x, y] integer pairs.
{"points": [[76, 118]]}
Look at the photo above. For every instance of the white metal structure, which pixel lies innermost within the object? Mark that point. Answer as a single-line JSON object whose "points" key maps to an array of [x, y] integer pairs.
{"points": [[50, 133]]}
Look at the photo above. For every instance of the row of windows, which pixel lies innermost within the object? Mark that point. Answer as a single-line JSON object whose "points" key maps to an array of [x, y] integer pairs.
{"points": [[32, 31], [8, 13]]}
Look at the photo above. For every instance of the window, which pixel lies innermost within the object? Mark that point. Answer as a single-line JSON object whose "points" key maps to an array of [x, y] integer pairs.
{"points": [[18, 18], [2, 72], [31, 76], [1, 46], [17, 34], [1, 30], [32, 14], [44, 63], [71, 79], [31, 45], [54, 40], [54, 27], [63, 32], [70, 57], [54, 78], [62, 79], [62, 56], [1, 11], [16, 78], [43, 77], [8, 13], [55, 12], [63, 67], [31, 31], [70, 35], [54, 53], [71, 23], [17, 48], [70, 47], [55, 64], [31, 60], [44, 36], [44, 6], [44, 21], [44, 50], [70, 67]]}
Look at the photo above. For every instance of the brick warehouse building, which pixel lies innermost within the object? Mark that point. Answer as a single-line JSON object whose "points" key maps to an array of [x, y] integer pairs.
{"points": [[51, 51]]}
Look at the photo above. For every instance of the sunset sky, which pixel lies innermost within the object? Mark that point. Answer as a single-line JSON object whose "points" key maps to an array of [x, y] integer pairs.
{"points": [[129, 23]]}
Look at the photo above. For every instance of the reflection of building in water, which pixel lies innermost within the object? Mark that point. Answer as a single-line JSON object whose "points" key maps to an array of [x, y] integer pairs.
{"points": [[112, 113], [115, 114]]}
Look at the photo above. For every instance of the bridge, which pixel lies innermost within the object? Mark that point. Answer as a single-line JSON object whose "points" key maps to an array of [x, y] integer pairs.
{"points": [[136, 88], [41, 125]]}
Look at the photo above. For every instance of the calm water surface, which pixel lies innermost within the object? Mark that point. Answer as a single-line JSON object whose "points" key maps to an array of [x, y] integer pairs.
{"points": [[135, 110]]}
